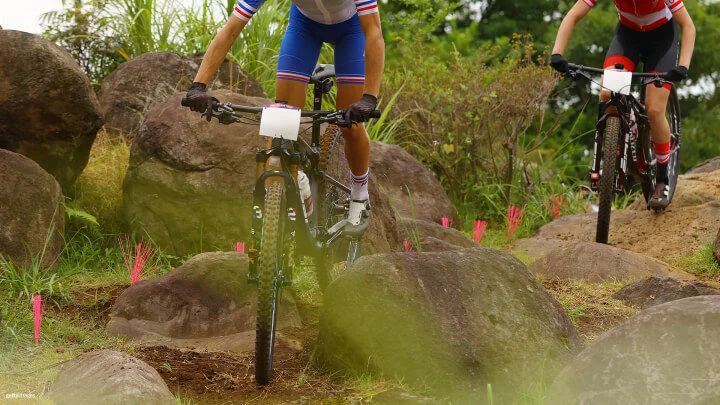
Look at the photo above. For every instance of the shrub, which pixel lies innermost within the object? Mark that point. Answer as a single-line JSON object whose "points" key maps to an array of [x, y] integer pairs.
{"points": [[478, 126]]}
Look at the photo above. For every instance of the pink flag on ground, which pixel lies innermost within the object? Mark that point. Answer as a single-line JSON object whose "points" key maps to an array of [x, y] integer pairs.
{"points": [[478, 230], [556, 202], [514, 216], [445, 222], [141, 265], [408, 246], [38, 309], [239, 247]]}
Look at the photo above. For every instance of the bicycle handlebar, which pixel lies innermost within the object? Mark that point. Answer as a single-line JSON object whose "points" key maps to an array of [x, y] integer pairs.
{"points": [[574, 71], [225, 112]]}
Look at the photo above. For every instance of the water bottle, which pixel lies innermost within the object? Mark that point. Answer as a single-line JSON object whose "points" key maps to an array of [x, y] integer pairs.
{"points": [[305, 193]]}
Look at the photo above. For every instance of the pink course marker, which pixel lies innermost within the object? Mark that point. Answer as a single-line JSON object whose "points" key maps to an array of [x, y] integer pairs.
{"points": [[408, 246], [478, 230], [239, 247], [514, 216], [38, 309], [141, 265], [445, 222]]}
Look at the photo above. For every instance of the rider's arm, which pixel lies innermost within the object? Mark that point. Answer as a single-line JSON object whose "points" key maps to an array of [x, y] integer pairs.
{"points": [[687, 28], [576, 13], [374, 52], [218, 49]]}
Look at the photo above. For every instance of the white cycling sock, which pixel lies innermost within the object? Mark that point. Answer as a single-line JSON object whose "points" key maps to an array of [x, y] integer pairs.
{"points": [[359, 187]]}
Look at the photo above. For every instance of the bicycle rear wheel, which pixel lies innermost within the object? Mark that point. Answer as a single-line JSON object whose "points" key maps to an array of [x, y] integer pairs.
{"points": [[331, 207], [270, 265], [606, 185]]}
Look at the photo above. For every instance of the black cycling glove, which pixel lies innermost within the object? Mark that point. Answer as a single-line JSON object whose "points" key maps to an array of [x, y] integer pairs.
{"points": [[677, 74], [197, 97], [559, 63], [360, 110]]}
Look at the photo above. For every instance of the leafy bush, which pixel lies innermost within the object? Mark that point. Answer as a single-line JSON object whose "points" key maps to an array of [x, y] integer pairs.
{"points": [[479, 126]]}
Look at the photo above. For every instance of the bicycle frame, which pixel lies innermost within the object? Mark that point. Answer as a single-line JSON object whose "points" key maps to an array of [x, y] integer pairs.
{"points": [[281, 162], [636, 154]]}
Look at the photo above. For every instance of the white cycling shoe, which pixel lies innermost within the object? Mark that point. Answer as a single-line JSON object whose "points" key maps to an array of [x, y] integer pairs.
{"points": [[358, 218]]}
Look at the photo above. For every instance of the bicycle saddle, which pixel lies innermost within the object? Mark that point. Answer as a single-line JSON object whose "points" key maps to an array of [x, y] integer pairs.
{"points": [[322, 72]]}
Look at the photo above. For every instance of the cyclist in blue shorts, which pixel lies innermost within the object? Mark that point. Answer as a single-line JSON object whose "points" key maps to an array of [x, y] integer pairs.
{"points": [[353, 27]]}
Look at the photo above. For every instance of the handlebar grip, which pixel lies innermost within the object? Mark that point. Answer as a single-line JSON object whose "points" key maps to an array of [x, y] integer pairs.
{"points": [[376, 114], [184, 102]]}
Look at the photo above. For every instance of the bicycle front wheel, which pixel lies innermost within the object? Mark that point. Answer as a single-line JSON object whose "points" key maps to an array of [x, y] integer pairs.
{"points": [[606, 185], [673, 116], [270, 263], [331, 207]]}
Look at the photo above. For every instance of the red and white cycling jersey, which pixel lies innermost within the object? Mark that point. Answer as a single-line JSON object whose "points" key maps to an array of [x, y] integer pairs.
{"points": [[644, 15], [322, 11]]}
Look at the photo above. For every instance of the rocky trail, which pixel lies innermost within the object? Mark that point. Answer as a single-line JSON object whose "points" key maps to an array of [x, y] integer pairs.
{"points": [[456, 322]]}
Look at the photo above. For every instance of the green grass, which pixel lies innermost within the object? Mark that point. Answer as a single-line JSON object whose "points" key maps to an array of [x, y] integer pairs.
{"points": [[701, 263]]}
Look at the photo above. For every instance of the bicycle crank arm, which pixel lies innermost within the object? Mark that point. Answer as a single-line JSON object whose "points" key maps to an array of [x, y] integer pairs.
{"points": [[336, 231]]}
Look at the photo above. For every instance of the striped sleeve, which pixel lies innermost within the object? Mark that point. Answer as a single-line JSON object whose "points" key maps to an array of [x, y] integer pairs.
{"points": [[245, 9], [675, 5], [366, 6], [590, 3]]}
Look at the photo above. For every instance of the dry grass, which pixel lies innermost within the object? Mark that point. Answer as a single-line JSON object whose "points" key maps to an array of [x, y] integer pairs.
{"points": [[99, 189], [590, 305]]}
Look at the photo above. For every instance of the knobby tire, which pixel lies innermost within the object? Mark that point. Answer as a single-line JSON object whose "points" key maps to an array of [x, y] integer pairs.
{"points": [[333, 162], [606, 185], [673, 115], [269, 264]]}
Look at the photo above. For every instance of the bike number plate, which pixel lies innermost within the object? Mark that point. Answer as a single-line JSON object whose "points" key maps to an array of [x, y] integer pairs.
{"points": [[617, 81], [280, 122]]}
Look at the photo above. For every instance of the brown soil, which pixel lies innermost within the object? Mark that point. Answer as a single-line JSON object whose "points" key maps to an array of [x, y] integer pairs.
{"points": [[225, 378]]}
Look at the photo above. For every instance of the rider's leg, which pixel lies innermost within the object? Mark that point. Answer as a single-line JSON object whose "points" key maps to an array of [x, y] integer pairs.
{"points": [[656, 100], [357, 143], [299, 52], [350, 69]]}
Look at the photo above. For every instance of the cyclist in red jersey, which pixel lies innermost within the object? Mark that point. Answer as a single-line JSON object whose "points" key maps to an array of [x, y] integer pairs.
{"points": [[647, 31]]}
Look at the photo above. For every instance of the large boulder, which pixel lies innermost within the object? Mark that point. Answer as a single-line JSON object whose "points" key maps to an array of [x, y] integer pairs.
{"points": [[413, 189], [679, 231], [189, 184], [205, 303], [109, 377], [426, 236], [451, 321], [707, 166], [595, 262], [135, 86], [48, 109], [32, 212], [667, 354], [658, 290]]}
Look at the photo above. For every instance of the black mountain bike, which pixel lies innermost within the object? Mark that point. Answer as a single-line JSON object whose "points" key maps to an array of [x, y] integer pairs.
{"points": [[623, 151], [281, 231]]}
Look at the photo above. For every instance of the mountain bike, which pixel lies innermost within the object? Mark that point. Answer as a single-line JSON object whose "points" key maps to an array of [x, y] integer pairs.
{"points": [[623, 151], [285, 223]]}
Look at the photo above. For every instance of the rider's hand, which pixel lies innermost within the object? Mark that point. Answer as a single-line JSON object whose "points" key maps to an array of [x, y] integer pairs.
{"points": [[559, 63], [197, 97], [677, 74], [360, 110]]}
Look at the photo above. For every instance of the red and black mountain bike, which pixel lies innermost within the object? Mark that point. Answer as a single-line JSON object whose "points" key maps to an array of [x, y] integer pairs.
{"points": [[623, 152]]}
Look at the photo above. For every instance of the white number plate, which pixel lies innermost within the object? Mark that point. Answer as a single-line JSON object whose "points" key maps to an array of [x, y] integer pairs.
{"points": [[280, 122], [617, 80]]}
